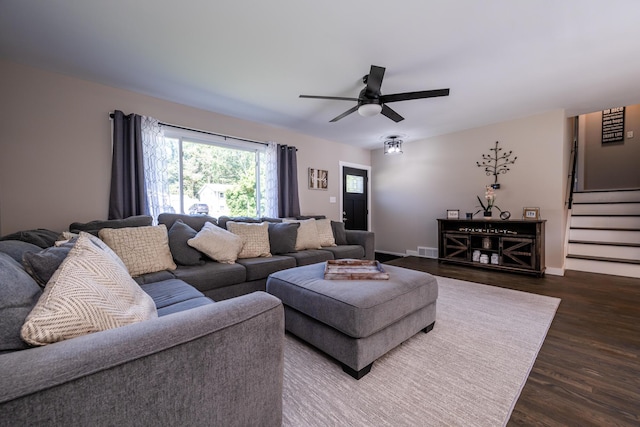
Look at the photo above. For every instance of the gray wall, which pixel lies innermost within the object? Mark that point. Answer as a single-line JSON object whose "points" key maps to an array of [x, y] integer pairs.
{"points": [[414, 189], [55, 147], [615, 165]]}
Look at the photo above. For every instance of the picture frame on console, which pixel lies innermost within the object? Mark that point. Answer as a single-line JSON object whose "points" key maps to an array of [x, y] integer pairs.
{"points": [[531, 213], [453, 213]]}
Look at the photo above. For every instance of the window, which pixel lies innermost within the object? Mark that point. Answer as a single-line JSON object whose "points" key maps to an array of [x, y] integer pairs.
{"points": [[215, 176], [355, 184]]}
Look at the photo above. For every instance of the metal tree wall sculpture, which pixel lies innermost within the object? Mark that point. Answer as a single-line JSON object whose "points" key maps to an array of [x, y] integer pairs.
{"points": [[496, 164]]}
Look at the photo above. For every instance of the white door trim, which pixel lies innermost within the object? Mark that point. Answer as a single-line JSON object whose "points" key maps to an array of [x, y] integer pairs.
{"points": [[356, 166]]}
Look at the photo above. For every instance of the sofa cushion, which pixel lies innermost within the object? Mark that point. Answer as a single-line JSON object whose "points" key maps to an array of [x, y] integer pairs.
{"points": [[211, 275], [40, 237], [90, 292], [218, 244], [325, 232], [194, 221], [17, 248], [255, 238], [310, 256], [18, 295], [94, 227], [142, 249], [260, 268], [42, 264], [339, 232], [170, 292], [282, 237], [346, 251], [182, 253], [156, 276], [307, 237]]}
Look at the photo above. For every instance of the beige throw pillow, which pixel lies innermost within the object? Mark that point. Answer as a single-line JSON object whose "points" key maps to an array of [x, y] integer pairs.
{"points": [[217, 243], [142, 249], [255, 238], [90, 292], [308, 237], [325, 232]]}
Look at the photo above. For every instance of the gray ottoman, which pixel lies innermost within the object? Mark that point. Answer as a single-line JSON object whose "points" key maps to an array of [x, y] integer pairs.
{"points": [[355, 321]]}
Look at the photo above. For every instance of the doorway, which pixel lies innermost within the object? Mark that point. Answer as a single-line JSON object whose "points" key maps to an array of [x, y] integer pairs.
{"points": [[355, 197]]}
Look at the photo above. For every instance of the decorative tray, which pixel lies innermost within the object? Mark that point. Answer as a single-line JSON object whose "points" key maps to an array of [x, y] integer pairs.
{"points": [[354, 269]]}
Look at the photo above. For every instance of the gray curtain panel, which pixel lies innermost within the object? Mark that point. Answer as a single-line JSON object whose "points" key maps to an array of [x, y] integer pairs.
{"points": [[288, 201], [128, 194]]}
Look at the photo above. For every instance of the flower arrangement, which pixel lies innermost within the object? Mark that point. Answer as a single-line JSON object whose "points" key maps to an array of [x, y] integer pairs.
{"points": [[490, 198]]}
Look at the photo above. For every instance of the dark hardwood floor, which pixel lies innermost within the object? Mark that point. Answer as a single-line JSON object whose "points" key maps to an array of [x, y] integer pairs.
{"points": [[588, 370]]}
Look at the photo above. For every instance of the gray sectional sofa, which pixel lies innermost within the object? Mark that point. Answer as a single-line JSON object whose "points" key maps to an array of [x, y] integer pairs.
{"points": [[213, 356], [221, 281]]}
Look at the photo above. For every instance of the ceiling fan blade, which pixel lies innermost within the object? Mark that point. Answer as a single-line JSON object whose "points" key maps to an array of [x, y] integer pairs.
{"points": [[345, 114], [386, 111], [337, 98], [414, 95], [374, 80]]}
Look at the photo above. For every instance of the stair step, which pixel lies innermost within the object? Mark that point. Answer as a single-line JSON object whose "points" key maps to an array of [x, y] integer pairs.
{"points": [[599, 196], [604, 235], [606, 208], [589, 242], [606, 259], [618, 222], [628, 252], [603, 267]]}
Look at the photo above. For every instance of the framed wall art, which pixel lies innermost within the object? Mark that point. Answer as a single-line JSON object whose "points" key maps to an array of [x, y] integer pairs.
{"points": [[318, 179]]}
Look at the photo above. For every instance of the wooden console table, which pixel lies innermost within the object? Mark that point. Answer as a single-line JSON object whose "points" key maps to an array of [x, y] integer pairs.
{"points": [[511, 245]]}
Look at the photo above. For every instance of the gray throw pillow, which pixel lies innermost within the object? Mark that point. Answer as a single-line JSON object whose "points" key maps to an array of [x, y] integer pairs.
{"points": [[194, 221], [182, 253], [282, 237], [40, 237], [339, 233], [41, 265], [18, 295], [16, 248], [94, 227]]}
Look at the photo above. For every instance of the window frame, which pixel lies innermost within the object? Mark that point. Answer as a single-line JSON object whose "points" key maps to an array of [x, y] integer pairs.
{"points": [[198, 137]]}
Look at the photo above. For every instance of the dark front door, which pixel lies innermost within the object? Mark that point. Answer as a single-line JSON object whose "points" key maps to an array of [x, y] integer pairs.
{"points": [[355, 199]]}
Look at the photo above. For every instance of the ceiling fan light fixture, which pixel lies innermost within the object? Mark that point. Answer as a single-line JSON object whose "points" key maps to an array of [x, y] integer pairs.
{"points": [[369, 110], [393, 145]]}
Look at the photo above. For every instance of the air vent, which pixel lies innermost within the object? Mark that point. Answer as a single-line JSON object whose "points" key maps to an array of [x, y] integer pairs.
{"points": [[427, 252]]}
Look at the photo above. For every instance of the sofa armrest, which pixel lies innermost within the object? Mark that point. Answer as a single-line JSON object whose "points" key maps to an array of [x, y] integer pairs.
{"points": [[219, 364], [364, 239]]}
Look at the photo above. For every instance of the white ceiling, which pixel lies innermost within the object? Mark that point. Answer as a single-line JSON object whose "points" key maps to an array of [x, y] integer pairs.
{"points": [[502, 59]]}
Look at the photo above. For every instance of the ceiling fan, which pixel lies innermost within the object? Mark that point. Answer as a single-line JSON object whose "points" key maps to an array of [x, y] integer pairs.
{"points": [[371, 102]]}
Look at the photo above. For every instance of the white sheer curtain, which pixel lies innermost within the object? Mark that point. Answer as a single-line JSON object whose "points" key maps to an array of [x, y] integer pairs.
{"points": [[270, 188], [156, 159]]}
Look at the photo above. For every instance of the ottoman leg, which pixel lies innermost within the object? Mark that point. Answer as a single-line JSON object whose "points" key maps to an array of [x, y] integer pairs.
{"points": [[357, 374], [428, 328]]}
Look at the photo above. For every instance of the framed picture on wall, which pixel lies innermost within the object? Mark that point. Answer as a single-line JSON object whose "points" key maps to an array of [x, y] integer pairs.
{"points": [[531, 213], [318, 179], [453, 213]]}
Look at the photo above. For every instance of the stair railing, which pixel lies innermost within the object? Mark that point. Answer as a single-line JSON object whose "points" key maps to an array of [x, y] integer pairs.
{"points": [[574, 162]]}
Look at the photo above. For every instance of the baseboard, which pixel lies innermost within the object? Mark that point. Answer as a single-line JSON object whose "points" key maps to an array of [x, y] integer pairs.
{"points": [[555, 271], [400, 254]]}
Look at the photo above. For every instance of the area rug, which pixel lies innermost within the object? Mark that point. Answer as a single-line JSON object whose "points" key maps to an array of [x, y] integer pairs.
{"points": [[468, 371]]}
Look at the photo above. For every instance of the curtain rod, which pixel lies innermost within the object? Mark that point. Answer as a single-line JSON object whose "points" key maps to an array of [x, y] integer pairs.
{"points": [[207, 132]]}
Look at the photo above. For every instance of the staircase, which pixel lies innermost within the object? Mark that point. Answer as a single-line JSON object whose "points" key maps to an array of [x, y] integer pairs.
{"points": [[604, 234]]}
